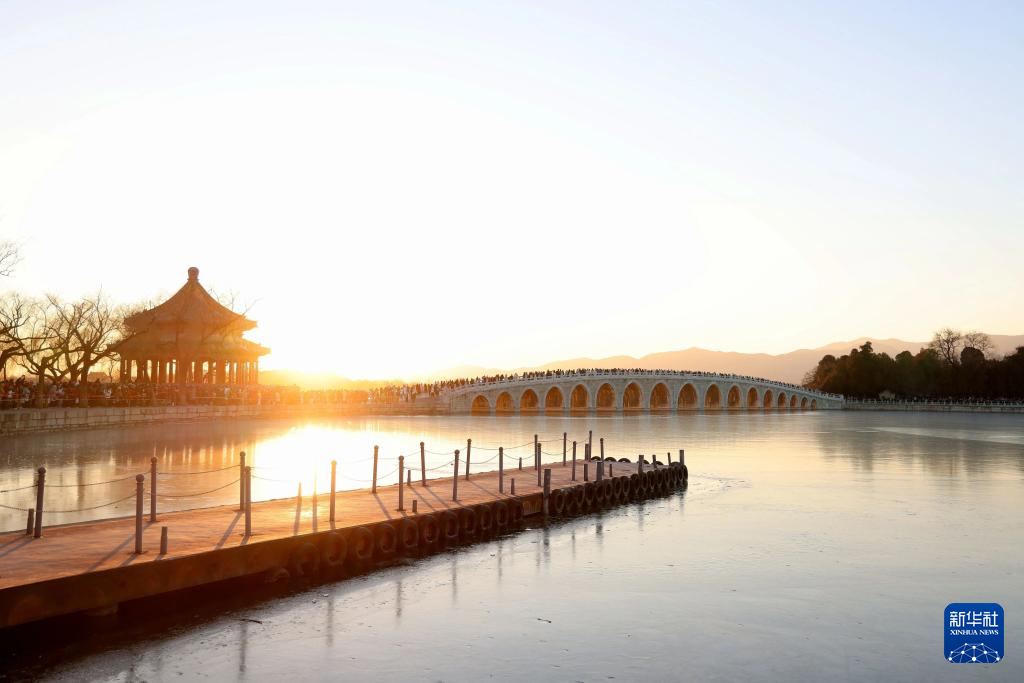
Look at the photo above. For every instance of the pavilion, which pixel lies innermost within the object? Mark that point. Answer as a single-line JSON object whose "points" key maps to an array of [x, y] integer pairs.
{"points": [[190, 339]]}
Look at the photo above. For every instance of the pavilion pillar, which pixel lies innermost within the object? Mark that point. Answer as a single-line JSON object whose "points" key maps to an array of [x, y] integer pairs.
{"points": [[161, 368], [256, 372], [233, 372]]}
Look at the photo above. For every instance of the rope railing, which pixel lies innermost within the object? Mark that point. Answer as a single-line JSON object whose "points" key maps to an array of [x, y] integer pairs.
{"points": [[147, 482]]}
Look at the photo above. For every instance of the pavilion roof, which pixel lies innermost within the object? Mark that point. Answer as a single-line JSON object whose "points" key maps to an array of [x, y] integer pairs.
{"points": [[191, 307]]}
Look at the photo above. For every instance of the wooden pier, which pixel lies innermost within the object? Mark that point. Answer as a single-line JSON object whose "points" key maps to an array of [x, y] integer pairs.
{"points": [[94, 566]]}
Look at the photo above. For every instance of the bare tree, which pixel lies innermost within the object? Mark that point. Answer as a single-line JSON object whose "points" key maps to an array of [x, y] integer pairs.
{"points": [[41, 344], [96, 329], [10, 255], [980, 341], [14, 312], [947, 342]]}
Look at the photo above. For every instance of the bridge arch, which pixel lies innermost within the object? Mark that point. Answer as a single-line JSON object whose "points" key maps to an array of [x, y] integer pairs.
{"points": [[803, 403], [481, 406], [632, 398], [504, 405], [769, 399], [752, 401], [554, 401], [687, 398], [782, 400], [660, 400], [579, 399], [814, 404], [712, 398], [792, 402], [528, 402], [733, 398], [606, 399]]}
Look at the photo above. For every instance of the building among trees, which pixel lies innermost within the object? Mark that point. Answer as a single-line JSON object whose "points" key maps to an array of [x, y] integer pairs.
{"points": [[190, 339]]}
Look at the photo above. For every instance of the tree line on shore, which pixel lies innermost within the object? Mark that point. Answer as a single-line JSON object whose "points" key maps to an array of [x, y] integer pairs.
{"points": [[957, 365]]}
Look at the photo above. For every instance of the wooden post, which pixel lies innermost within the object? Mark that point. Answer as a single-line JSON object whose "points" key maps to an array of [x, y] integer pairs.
{"points": [[547, 491], [31, 522], [455, 477], [163, 540], [586, 471], [247, 481], [334, 478], [602, 448], [139, 495], [241, 480], [152, 489], [520, 463], [590, 441], [469, 446], [40, 487], [401, 483], [408, 477], [512, 490], [565, 446], [574, 461], [501, 469], [682, 458], [373, 489], [423, 465], [640, 464]]}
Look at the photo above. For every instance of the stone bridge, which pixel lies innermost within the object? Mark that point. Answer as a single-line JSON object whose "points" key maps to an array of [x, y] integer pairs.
{"points": [[610, 392]]}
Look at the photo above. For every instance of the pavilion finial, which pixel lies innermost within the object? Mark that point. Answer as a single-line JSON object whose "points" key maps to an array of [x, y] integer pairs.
{"points": [[193, 274]]}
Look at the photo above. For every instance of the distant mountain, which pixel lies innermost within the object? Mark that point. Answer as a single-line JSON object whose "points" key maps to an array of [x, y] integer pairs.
{"points": [[787, 367]]}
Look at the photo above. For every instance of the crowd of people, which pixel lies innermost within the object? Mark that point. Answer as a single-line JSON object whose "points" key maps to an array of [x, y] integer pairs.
{"points": [[404, 393], [21, 392]]}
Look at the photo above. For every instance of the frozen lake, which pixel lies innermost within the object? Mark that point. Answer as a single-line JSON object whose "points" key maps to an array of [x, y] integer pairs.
{"points": [[814, 546]]}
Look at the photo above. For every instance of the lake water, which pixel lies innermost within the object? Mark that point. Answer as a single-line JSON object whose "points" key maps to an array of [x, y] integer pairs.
{"points": [[810, 547]]}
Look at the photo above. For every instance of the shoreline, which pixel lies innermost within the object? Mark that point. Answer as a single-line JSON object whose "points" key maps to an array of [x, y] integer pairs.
{"points": [[33, 420]]}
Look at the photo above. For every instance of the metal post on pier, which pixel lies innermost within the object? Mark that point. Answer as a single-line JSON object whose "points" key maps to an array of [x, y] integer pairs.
{"points": [[140, 480], [600, 470], [602, 448], [565, 445], [610, 469], [455, 477], [537, 460], [401, 483], [512, 489], [574, 461], [241, 478], [535, 445], [247, 486], [501, 469], [334, 478], [520, 463], [547, 490], [423, 465], [669, 459], [373, 489], [469, 446], [152, 489], [640, 464], [590, 442], [163, 540], [586, 471], [40, 487], [31, 522], [682, 458]]}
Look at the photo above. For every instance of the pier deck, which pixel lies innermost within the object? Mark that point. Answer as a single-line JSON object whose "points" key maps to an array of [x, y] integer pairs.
{"points": [[90, 565]]}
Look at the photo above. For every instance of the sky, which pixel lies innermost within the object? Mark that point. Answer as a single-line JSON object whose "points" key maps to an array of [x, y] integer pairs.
{"points": [[398, 188]]}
